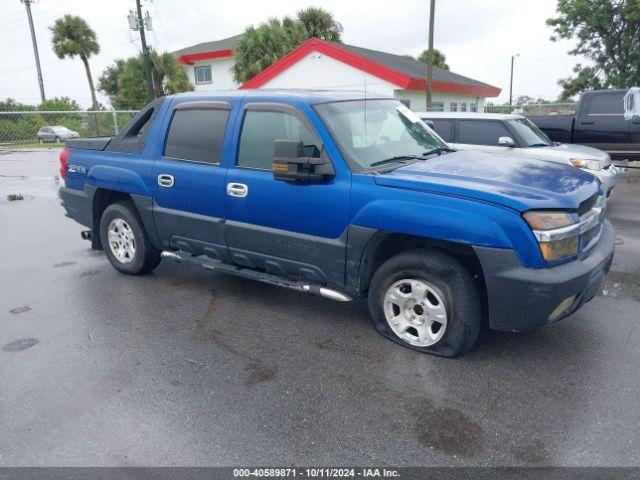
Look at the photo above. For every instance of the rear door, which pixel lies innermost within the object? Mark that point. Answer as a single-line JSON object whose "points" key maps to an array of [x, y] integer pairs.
{"points": [[601, 123], [482, 135], [189, 187], [293, 229], [47, 134], [634, 140]]}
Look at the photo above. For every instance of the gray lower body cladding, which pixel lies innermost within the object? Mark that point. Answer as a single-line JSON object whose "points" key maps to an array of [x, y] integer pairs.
{"points": [[521, 299]]}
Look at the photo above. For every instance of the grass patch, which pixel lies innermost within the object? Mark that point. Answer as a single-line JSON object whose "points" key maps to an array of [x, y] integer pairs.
{"points": [[12, 197]]}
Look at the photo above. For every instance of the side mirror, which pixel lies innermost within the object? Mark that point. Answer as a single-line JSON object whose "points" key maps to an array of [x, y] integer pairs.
{"points": [[290, 164], [506, 142]]}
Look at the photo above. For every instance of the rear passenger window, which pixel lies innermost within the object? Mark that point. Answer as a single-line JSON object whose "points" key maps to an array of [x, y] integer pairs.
{"points": [[197, 135], [607, 104], [478, 132], [444, 128], [261, 129]]}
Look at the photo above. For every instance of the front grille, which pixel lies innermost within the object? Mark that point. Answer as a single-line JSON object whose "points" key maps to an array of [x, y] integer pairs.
{"points": [[588, 204], [588, 236]]}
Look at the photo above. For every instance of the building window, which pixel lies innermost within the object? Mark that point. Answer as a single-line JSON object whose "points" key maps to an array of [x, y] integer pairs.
{"points": [[473, 107], [453, 107], [203, 74], [437, 106], [406, 103], [463, 107]]}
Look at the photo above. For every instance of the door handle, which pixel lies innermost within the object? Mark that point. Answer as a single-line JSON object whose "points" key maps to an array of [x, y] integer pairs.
{"points": [[591, 122], [237, 190], [165, 180]]}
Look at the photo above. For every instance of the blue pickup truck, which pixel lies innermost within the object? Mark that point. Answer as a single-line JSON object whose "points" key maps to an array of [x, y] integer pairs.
{"points": [[343, 195]]}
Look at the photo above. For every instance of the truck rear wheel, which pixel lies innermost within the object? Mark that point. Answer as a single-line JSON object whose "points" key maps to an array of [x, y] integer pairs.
{"points": [[427, 301], [125, 242]]}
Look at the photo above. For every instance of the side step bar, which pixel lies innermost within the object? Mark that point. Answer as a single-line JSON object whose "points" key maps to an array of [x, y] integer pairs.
{"points": [[218, 266]]}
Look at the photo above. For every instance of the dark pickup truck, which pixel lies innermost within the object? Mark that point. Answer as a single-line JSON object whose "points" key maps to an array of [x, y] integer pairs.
{"points": [[599, 122]]}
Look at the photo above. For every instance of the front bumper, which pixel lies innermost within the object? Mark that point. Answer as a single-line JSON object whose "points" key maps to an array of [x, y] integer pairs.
{"points": [[521, 299]]}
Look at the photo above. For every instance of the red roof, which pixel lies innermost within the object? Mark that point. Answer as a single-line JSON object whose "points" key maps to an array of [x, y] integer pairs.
{"points": [[395, 69]]}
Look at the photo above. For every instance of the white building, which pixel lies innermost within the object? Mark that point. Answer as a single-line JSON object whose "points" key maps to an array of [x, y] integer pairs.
{"points": [[318, 64]]}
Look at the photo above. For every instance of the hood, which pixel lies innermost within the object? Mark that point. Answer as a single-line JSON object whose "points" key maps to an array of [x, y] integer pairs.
{"points": [[515, 182], [565, 151]]}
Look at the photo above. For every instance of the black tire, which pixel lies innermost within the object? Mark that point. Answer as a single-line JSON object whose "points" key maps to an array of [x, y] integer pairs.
{"points": [[146, 256], [453, 283]]}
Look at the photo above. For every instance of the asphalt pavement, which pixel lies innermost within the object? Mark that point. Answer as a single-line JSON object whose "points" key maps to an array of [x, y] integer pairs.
{"points": [[188, 367]]}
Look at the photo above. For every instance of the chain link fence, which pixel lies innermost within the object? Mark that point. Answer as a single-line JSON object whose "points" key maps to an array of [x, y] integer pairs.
{"points": [[30, 145], [534, 109]]}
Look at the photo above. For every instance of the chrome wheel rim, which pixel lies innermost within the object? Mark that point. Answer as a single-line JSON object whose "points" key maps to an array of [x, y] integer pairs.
{"points": [[121, 240], [415, 312]]}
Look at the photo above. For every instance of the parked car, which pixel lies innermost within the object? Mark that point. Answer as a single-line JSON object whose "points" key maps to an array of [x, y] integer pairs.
{"points": [[599, 122], [57, 134], [343, 195], [515, 136]]}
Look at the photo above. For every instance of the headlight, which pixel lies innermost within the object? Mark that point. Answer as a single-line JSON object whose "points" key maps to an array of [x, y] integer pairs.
{"points": [[587, 164], [557, 233]]}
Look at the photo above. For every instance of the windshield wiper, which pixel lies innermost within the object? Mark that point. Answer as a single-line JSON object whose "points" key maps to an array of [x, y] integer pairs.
{"points": [[438, 151], [396, 159], [539, 145]]}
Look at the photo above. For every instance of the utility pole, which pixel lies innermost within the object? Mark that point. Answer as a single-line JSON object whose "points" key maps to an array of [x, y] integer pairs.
{"points": [[27, 4], [430, 59], [511, 83], [136, 22]]}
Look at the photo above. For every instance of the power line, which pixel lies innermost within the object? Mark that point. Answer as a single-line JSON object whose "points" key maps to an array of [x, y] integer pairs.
{"points": [[20, 22]]}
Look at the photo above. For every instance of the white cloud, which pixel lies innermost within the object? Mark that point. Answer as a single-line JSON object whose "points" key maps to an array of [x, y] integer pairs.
{"points": [[478, 38]]}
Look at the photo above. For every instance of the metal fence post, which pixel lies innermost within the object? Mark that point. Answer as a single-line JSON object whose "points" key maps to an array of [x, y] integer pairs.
{"points": [[115, 122]]}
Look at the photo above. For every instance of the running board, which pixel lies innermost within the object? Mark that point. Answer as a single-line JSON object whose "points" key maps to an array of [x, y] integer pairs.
{"points": [[301, 286]]}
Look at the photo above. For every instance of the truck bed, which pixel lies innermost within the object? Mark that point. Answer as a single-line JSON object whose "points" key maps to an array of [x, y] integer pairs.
{"points": [[95, 143]]}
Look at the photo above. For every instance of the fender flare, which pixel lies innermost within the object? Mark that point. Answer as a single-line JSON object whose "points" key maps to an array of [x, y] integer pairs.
{"points": [[467, 222]]}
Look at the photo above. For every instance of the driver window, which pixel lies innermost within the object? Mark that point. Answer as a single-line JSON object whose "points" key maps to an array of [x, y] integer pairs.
{"points": [[261, 129], [479, 132]]}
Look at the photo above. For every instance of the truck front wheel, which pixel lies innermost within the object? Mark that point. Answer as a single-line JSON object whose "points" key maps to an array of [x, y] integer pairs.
{"points": [[427, 301], [125, 242]]}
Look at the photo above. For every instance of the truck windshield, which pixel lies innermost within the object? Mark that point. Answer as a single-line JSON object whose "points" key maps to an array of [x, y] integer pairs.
{"points": [[378, 132], [531, 135]]}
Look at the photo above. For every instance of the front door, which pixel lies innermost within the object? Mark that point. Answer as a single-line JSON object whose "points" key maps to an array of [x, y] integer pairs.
{"points": [[190, 182], [293, 229], [634, 139], [601, 123], [482, 135]]}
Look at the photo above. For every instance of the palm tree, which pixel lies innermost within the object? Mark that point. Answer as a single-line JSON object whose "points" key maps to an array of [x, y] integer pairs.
{"points": [[439, 60], [263, 45], [72, 36], [319, 23]]}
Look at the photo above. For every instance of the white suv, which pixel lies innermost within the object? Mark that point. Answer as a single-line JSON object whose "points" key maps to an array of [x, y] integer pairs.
{"points": [[513, 135]]}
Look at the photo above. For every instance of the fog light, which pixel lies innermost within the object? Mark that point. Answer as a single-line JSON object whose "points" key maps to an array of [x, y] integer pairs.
{"points": [[560, 309]]}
